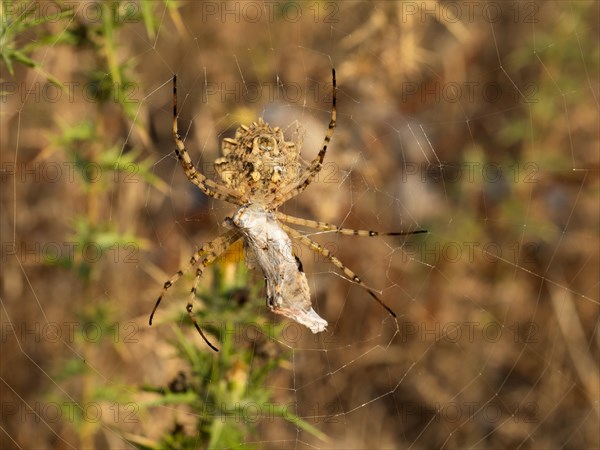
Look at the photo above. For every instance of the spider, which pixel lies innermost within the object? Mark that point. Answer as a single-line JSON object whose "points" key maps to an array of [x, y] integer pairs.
{"points": [[259, 171]]}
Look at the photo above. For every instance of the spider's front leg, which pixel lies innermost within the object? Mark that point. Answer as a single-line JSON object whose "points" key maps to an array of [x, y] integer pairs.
{"points": [[318, 225], [349, 274], [210, 252]]}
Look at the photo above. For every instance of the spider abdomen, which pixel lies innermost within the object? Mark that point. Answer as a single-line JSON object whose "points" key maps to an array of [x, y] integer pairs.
{"points": [[258, 161]]}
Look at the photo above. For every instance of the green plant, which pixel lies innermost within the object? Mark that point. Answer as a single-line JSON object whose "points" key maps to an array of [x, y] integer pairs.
{"points": [[23, 31], [227, 393]]}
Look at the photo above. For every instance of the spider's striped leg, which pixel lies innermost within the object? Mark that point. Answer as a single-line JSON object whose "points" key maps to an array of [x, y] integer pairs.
{"points": [[207, 186], [211, 251], [318, 248], [315, 166], [345, 231]]}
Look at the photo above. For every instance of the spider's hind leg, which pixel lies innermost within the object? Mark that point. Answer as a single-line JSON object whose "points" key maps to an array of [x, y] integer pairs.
{"points": [[207, 186], [315, 166]]}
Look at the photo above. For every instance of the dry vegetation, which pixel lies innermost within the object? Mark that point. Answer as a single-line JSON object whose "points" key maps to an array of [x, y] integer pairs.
{"points": [[443, 378]]}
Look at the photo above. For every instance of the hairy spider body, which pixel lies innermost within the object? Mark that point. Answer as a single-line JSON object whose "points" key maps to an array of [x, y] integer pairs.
{"points": [[258, 162], [259, 171]]}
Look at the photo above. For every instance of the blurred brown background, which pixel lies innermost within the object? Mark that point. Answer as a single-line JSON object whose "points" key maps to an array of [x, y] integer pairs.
{"points": [[475, 121]]}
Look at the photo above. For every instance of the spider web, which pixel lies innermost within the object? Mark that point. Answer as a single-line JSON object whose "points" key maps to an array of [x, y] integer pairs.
{"points": [[475, 121]]}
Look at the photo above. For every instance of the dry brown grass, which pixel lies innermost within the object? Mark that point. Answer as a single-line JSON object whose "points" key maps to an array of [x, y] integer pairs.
{"points": [[424, 385]]}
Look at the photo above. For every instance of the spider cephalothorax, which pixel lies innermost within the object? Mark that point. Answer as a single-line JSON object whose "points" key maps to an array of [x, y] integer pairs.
{"points": [[259, 171]]}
